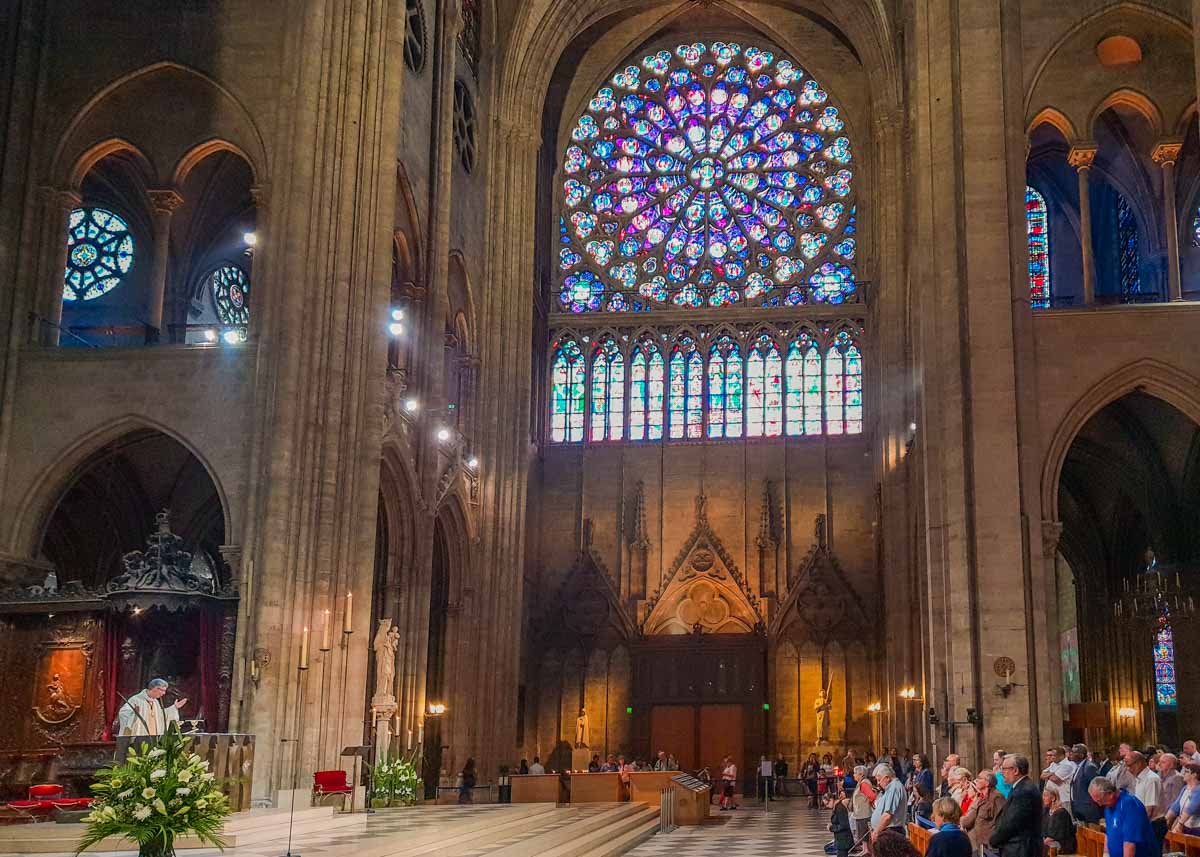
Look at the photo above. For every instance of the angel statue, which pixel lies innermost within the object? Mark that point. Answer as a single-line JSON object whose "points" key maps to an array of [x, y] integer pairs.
{"points": [[387, 640]]}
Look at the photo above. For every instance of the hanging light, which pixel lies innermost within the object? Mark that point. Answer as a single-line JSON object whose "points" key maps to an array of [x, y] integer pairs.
{"points": [[1154, 593]]}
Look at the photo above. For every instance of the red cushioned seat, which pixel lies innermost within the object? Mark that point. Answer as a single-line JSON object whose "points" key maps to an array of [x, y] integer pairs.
{"points": [[331, 783], [46, 791]]}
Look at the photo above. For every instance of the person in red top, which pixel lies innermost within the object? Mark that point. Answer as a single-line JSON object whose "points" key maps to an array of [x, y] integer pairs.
{"points": [[728, 779]]}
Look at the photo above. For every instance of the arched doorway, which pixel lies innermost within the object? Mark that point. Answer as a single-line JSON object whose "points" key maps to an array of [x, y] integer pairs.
{"points": [[136, 588], [1128, 497]]}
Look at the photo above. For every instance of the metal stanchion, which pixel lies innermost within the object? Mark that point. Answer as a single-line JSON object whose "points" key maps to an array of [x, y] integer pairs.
{"points": [[666, 810]]}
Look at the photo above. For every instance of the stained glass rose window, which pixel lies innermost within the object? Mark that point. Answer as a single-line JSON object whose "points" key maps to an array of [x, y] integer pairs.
{"points": [[714, 175], [231, 294], [99, 253]]}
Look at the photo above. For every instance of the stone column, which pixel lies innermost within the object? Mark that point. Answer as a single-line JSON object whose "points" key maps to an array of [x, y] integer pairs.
{"points": [[314, 501], [1166, 154], [163, 204], [59, 205], [1081, 158]]}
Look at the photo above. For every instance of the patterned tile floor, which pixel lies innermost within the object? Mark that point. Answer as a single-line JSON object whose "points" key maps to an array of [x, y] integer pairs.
{"points": [[788, 828]]}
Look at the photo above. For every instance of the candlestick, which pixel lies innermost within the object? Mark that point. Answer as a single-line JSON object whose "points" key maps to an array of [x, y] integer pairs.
{"points": [[347, 619], [304, 649], [326, 643]]}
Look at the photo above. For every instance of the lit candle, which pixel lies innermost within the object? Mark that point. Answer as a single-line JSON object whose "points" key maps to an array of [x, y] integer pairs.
{"points": [[326, 645], [347, 619], [304, 649]]}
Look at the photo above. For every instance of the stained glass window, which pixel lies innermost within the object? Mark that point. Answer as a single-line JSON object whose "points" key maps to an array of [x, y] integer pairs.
{"points": [[725, 389], [608, 392], [803, 385], [764, 382], [1038, 226], [1127, 246], [712, 175], [843, 386], [99, 253], [646, 392], [468, 36], [686, 390], [1196, 229], [567, 394], [231, 294], [1164, 665]]}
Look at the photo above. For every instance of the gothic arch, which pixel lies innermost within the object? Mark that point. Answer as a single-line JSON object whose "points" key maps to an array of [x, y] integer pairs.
{"points": [[1058, 120], [96, 153], [1131, 99], [1150, 376], [158, 85], [40, 500], [201, 151]]}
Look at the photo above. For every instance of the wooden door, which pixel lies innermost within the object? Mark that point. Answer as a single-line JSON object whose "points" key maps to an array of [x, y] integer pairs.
{"points": [[673, 729], [721, 735]]}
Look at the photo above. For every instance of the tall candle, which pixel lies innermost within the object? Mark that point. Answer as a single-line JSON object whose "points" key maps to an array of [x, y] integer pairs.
{"points": [[347, 620], [408, 742], [304, 649], [421, 732], [326, 644]]}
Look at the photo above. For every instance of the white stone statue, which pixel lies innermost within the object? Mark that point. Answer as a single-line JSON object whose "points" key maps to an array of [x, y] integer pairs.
{"points": [[821, 706], [51, 583], [387, 640], [581, 729]]}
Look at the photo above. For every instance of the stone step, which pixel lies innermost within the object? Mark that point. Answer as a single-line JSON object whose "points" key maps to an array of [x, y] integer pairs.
{"points": [[564, 840], [460, 835], [631, 838], [616, 837], [277, 827]]}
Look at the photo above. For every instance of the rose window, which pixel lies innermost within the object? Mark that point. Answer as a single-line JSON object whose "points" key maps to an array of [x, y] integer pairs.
{"points": [[99, 253], [711, 176]]}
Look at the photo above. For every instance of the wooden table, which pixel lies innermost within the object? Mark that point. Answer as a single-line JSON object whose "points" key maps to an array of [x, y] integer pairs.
{"points": [[535, 788], [644, 786], [596, 788]]}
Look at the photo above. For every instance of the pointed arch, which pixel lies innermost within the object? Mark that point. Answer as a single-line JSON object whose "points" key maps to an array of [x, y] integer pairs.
{"points": [[647, 388], [685, 389], [567, 393], [803, 368], [764, 388], [1037, 229], [1130, 99], [843, 385], [1056, 119], [726, 382], [608, 390]]}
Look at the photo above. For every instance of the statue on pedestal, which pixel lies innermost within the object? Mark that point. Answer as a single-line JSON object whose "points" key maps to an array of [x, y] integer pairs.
{"points": [[387, 640], [581, 729], [821, 706]]}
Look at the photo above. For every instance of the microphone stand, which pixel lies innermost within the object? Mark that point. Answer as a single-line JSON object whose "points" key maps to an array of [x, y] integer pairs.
{"points": [[292, 808]]}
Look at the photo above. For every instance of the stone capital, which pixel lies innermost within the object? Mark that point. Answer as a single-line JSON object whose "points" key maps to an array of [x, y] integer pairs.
{"points": [[1082, 155], [1051, 535], [164, 201], [1166, 152], [260, 194], [64, 199]]}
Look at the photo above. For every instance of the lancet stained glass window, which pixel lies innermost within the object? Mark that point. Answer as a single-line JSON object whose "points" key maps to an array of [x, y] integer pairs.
{"points": [[99, 253], [764, 380], [843, 386], [646, 392], [725, 389], [1038, 226], [608, 392], [1164, 665], [1127, 246], [567, 394], [231, 294], [708, 176], [803, 384], [686, 390]]}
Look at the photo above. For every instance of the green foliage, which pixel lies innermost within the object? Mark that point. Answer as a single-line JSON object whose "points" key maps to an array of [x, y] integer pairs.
{"points": [[156, 795], [395, 781]]}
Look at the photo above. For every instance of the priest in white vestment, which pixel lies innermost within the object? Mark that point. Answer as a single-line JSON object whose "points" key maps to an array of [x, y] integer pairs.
{"points": [[143, 714]]}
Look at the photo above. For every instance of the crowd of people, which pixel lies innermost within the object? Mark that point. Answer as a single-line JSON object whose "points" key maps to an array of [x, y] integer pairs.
{"points": [[1134, 796]]}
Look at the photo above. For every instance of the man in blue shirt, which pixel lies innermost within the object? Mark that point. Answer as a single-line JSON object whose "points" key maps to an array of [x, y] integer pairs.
{"points": [[1127, 827], [891, 806]]}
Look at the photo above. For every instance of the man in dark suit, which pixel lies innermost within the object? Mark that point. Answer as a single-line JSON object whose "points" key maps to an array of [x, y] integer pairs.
{"points": [[1018, 833], [1083, 808]]}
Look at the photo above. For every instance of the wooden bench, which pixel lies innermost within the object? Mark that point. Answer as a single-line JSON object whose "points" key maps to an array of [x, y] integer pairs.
{"points": [[1189, 845], [919, 836]]}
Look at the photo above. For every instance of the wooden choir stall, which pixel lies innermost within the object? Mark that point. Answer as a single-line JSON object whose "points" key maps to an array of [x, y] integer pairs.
{"points": [[70, 653]]}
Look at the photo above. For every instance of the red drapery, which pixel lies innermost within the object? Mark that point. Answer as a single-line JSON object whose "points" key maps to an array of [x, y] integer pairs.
{"points": [[114, 632], [211, 621]]}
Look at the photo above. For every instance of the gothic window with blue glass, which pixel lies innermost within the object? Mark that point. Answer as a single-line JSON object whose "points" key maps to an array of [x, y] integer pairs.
{"points": [[608, 392], [1037, 225], [99, 253], [803, 385], [843, 386], [1164, 664], [685, 391], [764, 389], [646, 388], [1129, 255], [725, 389], [707, 175], [567, 393], [231, 295]]}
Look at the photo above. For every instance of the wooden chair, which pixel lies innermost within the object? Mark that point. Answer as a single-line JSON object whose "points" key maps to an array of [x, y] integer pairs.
{"points": [[328, 784]]}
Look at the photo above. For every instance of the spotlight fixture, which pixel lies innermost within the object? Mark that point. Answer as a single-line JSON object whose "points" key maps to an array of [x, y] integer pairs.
{"points": [[443, 434], [473, 463], [437, 709], [397, 314], [1126, 712], [233, 336], [411, 405], [912, 426], [251, 238], [875, 708], [210, 335], [396, 329]]}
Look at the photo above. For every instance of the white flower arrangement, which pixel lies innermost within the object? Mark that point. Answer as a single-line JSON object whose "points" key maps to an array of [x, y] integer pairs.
{"points": [[156, 796]]}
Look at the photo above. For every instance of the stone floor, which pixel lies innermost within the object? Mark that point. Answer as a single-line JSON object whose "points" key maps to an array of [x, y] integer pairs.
{"points": [[788, 827]]}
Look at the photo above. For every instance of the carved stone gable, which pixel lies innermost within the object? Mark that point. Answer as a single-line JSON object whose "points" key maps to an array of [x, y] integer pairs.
{"points": [[704, 590], [821, 603], [587, 608]]}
